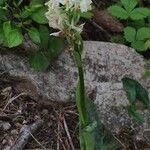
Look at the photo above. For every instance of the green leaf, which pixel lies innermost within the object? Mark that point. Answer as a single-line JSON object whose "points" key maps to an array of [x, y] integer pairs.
{"points": [[138, 45], [38, 61], [56, 45], [130, 89], [13, 36], [29, 10], [129, 34], [34, 35], [6, 28], [143, 33], [118, 12], [147, 44], [129, 5], [44, 36], [39, 16], [135, 114], [135, 91], [140, 13], [142, 94]]}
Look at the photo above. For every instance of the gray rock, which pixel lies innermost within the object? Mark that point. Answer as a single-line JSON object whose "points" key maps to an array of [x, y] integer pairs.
{"points": [[105, 65]]}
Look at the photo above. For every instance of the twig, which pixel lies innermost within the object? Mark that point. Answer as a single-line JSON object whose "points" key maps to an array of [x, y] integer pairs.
{"points": [[25, 135], [37, 140], [68, 134], [119, 141], [100, 28], [11, 100]]}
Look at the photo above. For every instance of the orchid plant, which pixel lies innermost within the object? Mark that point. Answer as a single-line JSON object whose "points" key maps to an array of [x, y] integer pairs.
{"points": [[64, 15]]}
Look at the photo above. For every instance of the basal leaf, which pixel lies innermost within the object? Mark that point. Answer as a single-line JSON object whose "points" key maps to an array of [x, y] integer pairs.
{"points": [[142, 94], [34, 35], [138, 45], [29, 10], [15, 38], [129, 5], [38, 61], [143, 33], [7, 28], [129, 34], [129, 86], [39, 16], [56, 45], [44, 37], [118, 12], [140, 13], [135, 114]]}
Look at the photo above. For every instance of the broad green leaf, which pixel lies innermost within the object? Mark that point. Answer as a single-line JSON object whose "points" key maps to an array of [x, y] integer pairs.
{"points": [[56, 45], [140, 13], [129, 5], [29, 10], [138, 45], [104, 139], [15, 38], [38, 61], [130, 89], [118, 12], [129, 34], [34, 35], [143, 33], [135, 114], [142, 94], [44, 36], [147, 44], [7, 28], [39, 16]]}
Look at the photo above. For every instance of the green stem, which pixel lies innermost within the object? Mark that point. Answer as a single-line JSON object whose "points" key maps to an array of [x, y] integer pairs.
{"points": [[80, 100]]}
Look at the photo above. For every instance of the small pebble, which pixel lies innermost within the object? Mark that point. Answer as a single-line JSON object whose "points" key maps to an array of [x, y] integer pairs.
{"points": [[14, 132], [4, 141], [5, 125]]}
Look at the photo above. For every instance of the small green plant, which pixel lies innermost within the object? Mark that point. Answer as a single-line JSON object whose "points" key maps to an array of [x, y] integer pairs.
{"points": [[17, 19], [137, 19], [49, 48], [135, 93]]}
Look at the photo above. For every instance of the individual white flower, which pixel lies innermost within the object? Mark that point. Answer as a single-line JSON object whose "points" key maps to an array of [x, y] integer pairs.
{"points": [[55, 15]]}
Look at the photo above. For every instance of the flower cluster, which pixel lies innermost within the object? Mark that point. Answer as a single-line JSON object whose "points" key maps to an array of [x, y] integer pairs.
{"points": [[58, 17]]}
